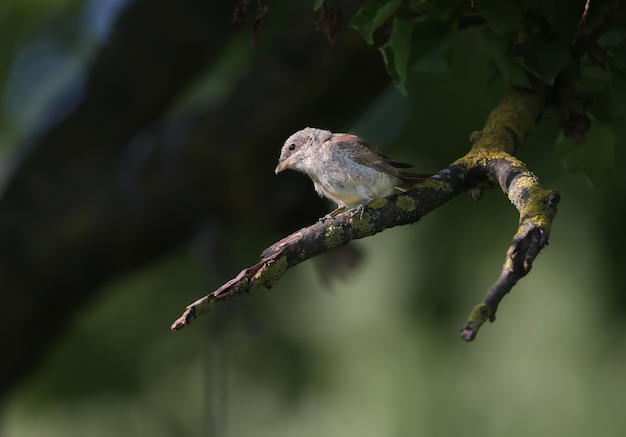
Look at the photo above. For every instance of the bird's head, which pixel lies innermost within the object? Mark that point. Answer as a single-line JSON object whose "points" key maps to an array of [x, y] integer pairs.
{"points": [[300, 147]]}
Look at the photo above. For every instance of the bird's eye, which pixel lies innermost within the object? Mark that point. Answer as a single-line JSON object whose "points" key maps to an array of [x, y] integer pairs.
{"points": [[292, 146]]}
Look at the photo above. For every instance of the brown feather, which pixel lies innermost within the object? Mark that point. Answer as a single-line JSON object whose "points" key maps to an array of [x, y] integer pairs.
{"points": [[380, 162], [370, 157]]}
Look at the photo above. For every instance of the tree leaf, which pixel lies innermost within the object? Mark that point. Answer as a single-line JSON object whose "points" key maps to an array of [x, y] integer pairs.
{"points": [[594, 156], [439, 9], [563, 16], [396, 52], [431, 47], [546, 61], [372, 15], [502, 16], [509, 67], [317, 4], [615, 104]]}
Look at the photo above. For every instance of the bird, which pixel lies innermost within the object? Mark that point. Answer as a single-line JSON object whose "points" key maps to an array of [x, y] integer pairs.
{"points": [[344, 168]]}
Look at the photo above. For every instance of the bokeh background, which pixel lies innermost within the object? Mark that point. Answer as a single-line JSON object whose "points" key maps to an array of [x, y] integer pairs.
{"points": [[138, 141]]}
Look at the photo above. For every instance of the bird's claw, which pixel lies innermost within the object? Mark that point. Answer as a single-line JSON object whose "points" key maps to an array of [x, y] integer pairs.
{"points": [[359, 210], [326, 217]]}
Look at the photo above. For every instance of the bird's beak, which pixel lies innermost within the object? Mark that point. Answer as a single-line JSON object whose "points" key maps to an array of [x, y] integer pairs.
{"points": [[282, 165]]}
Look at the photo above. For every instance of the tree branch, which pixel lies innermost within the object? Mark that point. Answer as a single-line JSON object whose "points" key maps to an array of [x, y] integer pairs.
{"points": [[489, 161], [494, 146]]}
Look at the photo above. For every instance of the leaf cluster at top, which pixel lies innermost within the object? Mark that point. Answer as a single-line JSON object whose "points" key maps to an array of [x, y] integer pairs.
{"points": [[558, 41]]}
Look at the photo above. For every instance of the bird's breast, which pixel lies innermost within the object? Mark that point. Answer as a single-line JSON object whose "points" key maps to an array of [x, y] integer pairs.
{"points": [[352, 188]]}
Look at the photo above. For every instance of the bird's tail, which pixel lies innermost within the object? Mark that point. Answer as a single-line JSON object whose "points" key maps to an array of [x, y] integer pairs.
{"points": [[410, 180]]}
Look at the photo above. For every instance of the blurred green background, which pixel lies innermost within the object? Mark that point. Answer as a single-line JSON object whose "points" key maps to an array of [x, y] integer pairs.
{"points": [[373, 353]]}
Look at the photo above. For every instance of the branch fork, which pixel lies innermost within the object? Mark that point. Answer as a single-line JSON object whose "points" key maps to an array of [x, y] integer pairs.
{"points": [[490, 162]]}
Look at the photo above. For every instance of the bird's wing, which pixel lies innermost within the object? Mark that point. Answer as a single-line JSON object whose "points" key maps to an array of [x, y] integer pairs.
{"points": [[364, 153]]}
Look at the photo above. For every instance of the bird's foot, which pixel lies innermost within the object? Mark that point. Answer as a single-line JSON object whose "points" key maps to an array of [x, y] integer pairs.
{"points": [[332, 214], [359, 210]]}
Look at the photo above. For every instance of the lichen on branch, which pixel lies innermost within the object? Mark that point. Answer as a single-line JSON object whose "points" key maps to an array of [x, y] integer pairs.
{"points": [[493, 147]]}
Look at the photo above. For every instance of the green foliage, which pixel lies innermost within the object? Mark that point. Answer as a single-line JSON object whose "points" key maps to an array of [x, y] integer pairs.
{"points": [[509, 67], [546, 61], [519, 41], [372, 15], [501, 16], [615, 96], [396, 52], [420, 43], [554, 42], [562, 16], [440, 10], [594, 156], [431, 47]]}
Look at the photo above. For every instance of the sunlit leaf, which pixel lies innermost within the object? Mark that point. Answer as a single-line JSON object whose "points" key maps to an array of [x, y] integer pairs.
{"points": [[372, 15], [396, 52]]}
